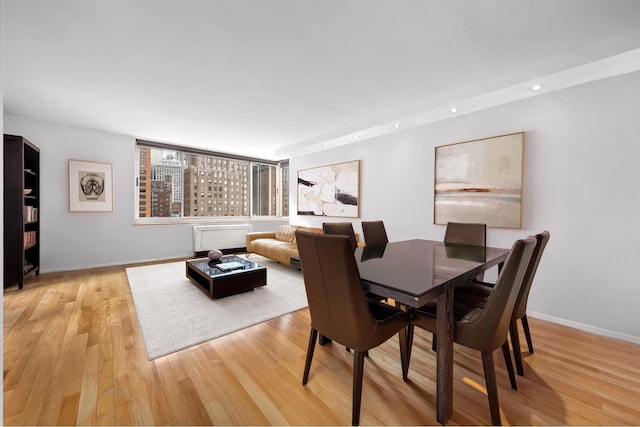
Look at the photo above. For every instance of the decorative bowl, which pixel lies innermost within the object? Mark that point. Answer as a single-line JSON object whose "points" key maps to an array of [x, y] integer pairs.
{"points": [[214, 254]]}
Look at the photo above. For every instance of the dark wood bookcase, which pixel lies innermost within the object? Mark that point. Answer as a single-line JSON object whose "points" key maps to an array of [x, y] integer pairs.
{"points": [[21, 210]]}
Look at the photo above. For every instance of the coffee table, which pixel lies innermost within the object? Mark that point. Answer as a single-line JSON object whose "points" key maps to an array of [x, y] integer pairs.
{"points": [[218, 283]]}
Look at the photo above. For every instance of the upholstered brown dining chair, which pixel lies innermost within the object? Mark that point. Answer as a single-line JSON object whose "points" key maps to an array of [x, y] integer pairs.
{"points": [[476, 293], [339, 309], [461, 233], [485, 328], [374, 233], [341, 228], [345, 229]]}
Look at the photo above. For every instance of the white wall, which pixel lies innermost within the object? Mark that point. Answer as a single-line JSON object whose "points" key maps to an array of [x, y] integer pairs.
{"points": [[581, 183], [77, 240]]}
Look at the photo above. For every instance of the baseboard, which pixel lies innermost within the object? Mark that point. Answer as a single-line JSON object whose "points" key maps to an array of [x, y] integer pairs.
{"points": [[113, 264], [585, 327]]}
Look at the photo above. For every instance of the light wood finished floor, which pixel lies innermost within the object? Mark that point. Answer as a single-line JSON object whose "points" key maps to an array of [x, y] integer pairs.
{"points": [[74, 355]]}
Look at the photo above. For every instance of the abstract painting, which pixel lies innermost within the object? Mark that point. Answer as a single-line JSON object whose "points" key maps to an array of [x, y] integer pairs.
{"points": [[331, 190], [480, 181], [90, 186]]}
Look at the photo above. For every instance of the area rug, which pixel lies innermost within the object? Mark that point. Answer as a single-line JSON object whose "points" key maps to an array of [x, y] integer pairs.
{"points": [[174, 313]]}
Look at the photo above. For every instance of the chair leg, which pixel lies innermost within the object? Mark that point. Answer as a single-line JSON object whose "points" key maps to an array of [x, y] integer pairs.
{"points": [[404, 352], [434, 343], [527, 334], [515, 343], [509, 365], [312, 345], [358, 369], [492, 388]]}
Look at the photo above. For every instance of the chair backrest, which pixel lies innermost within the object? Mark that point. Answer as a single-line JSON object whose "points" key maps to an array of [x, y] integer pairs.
{"points": [[341, 229], [521, 303], [486, 328], [337, 303], [461, 233], [374, 233]]}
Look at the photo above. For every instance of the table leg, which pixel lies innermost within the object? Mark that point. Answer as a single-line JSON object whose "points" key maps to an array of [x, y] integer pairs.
{"points": [[445, 355]]}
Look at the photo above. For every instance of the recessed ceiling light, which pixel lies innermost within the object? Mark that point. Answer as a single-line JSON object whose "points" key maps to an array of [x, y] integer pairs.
{"points": [[324, 145], [355, 136], [454, 110], [536, 87], [396, 125]]}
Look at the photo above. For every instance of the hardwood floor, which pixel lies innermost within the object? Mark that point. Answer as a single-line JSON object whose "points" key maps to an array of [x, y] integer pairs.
{"points": [[74, 355]]}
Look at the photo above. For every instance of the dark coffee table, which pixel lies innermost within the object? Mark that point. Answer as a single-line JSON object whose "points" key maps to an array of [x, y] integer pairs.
{"points": [[218, 283]]}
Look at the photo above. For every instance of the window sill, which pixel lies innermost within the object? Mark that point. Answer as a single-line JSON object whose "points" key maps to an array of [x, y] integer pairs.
{"points": [[201, 221]]}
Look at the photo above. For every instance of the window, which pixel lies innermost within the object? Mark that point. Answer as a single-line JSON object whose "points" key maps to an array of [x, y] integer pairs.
{"points": [[264, 200], [284, 187], [174, 177]]}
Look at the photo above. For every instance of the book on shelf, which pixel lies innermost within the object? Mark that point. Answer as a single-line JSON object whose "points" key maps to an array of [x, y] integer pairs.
{"points": [[30, 214], [29, 239]]}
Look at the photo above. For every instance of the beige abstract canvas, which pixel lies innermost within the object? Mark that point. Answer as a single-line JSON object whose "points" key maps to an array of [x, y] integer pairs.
{"points": [[480, 181]]}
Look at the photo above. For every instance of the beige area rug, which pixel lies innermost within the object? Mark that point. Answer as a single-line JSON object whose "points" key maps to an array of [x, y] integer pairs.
{"points": [[174, 313]]}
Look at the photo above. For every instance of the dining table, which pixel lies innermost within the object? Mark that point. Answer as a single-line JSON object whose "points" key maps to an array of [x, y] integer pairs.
{"points": [[414, 272]]}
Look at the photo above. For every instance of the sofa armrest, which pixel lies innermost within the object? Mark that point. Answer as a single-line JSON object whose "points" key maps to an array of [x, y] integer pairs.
{"points": [[259, 235]]}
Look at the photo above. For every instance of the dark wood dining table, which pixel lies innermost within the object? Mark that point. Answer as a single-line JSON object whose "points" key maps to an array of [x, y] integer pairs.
{"points": [[413, 272]]}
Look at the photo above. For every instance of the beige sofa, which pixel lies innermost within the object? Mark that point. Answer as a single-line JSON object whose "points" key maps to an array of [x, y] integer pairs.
{"points": [[279, 245]]}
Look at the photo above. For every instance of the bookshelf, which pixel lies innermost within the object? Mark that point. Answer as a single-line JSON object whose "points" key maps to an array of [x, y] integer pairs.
{"points": [[21, 210]]}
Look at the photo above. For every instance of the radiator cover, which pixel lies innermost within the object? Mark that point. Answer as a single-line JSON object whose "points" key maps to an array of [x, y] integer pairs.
{"points": [[220, 236]]}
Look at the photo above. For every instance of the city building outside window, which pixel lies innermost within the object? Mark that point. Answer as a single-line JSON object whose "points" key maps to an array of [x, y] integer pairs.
{"points": [[178, 183]]}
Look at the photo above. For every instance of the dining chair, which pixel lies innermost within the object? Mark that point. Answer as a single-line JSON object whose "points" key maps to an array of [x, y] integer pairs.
{"points": [[374, 233], [475, 293], [345, 229], [462, 233], [341, 228], [339, 309], [466, 233], [485, 328]]}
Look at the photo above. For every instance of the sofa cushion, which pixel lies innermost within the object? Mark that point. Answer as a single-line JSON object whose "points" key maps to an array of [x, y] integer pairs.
{"points": [[286, 233], [275, 249]]}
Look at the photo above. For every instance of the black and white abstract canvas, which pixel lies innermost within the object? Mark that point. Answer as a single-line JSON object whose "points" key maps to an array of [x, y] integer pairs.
{"points": [[331, 190]]}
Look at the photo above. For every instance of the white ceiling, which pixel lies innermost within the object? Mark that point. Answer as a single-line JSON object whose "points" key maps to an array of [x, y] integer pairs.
{"points": [[268, 78]]}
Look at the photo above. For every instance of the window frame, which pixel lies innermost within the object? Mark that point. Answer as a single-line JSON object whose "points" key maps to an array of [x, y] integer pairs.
{"points": [[278, 164]]}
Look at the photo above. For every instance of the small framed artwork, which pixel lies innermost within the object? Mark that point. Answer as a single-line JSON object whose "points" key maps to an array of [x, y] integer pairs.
{"points": [[332, 190], [90, 186], [480, 181]]}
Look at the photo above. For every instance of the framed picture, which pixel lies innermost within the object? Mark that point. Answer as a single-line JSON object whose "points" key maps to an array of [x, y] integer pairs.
{"points": [[480, 181], [332, 190], [90, 186]]}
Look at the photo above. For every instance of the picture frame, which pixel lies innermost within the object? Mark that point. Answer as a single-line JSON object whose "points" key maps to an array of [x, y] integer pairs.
{"points": [[90, 186], [480, 181], [331, 190]]}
